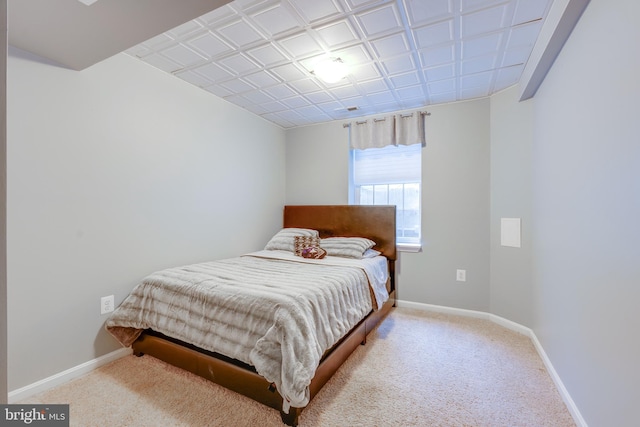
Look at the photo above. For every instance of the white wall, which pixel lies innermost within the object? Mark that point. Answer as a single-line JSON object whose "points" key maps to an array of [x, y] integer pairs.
{"points": [[114, 172], [455, 199], [586, 210]]}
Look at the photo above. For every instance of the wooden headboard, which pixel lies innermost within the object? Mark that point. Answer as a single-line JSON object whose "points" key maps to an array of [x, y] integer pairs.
{"points": [[377, 223]]}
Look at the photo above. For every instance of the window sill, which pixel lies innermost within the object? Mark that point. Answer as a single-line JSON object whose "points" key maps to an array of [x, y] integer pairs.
{"points": [[409, 247]]}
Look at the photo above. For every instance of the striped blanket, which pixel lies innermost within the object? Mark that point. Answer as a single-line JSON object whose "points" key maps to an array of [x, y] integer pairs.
{"points": [[277, 314]]}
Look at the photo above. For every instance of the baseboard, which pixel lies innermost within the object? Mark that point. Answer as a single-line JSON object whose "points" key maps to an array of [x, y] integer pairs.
{"points": [[516, 327], [65, 376], [571, 405]]}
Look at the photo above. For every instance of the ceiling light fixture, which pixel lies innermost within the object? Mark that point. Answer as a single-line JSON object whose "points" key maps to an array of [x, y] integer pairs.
{"points": [[88, 2], [331, 70]]}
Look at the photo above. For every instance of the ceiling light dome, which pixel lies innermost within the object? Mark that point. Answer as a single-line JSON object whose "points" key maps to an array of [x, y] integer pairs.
{"points": [[331, 70]]}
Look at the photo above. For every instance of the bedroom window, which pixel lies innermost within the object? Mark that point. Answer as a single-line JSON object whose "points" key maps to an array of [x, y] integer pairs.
{"points": [[385, 168], [390, 175]]}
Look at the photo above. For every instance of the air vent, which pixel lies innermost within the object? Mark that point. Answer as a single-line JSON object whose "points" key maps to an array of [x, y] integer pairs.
{"points": [[352, 108]]}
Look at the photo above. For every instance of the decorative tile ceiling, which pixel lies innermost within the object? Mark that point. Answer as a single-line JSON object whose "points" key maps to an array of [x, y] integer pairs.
{"points": [[401, 54]]}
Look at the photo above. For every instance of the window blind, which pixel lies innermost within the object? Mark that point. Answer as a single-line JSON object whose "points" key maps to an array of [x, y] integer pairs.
{"points": [[387, 165]]}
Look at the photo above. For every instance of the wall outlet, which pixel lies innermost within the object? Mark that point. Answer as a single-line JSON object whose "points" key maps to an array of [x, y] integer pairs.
{"points": [[461, 275], [106, 304]]}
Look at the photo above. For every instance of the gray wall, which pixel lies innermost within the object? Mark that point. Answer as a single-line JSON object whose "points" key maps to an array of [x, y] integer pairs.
{"points": [[317, 165], [586, 210], [455, 199], [115, 172], [3, 202], [512, 136]]}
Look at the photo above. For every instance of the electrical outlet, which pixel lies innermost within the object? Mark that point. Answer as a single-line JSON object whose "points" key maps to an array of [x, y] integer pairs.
{"points": [[106, 304], [461, 275]]}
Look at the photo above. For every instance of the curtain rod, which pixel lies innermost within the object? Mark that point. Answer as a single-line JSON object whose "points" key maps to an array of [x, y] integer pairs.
{"points": [[423, 113]]}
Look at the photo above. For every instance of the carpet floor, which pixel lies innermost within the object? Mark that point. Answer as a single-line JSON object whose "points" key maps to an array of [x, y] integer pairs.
{"points": [[417, 369]]}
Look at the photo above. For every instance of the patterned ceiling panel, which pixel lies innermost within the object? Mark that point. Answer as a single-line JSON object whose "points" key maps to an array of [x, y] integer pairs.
{"points": [[401, 54]]}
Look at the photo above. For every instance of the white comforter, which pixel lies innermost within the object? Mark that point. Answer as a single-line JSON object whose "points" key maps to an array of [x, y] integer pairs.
{"points": [[270, 309]]}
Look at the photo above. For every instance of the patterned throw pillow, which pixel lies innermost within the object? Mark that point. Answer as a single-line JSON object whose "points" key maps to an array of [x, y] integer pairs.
{"points": [[301, 243], [315, 252], [308, 247]]}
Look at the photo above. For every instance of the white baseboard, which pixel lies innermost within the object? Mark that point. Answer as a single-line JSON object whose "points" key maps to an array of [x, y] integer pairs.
{"points": [[516, 327], [571, 405], [65, 376]]}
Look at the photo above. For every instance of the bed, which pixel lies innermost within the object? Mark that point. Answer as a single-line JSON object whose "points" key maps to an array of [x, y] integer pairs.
{"points": [[249, 365]]}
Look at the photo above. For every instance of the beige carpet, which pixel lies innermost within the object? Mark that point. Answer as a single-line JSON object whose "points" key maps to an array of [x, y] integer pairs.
{"points": [[417, 369]]}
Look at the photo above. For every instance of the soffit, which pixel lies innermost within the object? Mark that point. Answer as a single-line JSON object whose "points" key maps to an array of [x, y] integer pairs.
{"points": [[76, 35]]}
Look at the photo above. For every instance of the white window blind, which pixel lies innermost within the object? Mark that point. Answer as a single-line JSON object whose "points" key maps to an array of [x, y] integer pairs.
{"points": [[390, 164], [391, 175]]}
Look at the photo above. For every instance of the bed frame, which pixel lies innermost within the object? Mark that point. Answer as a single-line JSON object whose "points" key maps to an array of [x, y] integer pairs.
{"points": [[375, 222]]}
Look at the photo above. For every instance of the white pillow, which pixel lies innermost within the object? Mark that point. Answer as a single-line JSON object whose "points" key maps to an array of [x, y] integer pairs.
{"points": [[347, 247], [283, 239], [371, 253]]}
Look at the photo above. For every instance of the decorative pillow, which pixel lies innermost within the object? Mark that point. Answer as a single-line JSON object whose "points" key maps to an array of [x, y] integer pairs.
{"points": [[304, 242], [315, 252], [283, 239], [347, 247]]}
